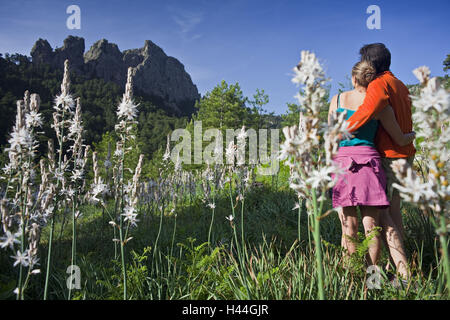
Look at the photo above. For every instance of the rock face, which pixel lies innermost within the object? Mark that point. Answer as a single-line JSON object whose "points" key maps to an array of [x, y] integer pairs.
{"points": [[157, 76], [104, 60], [73, 49]]}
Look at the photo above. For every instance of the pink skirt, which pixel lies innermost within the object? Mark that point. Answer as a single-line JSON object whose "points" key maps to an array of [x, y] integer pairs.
{"points": [[364, 181]]}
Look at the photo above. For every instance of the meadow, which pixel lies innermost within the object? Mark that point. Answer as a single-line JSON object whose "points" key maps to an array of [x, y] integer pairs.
{"points": [[219, 231]]}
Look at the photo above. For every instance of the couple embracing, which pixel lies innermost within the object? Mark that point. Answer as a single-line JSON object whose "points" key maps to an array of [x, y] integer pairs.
{"points": [[378, 112]]}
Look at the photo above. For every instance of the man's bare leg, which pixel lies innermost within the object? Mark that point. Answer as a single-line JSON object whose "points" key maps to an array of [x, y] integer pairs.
{"points": [[395, 212], [394, 243]]}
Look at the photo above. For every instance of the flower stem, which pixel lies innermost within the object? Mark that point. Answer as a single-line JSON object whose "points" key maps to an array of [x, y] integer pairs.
{"points": [[74, 241], [242, 225], [50, 243], [445, 258], [122, 243], [210, 227], [317, 245], [52, 227], [173, 236], [159, 230], [299, 216]]}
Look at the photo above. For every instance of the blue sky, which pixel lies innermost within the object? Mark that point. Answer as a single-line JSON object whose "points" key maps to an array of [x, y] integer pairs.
{"points": [[253, 42]]}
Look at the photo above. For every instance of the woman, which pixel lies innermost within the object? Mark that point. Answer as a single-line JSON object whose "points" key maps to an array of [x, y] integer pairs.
{"points": [[363, 184]]}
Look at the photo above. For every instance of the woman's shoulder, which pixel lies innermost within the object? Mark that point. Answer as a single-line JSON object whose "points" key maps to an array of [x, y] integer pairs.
{"points": [[334, 99], [340, 97], [334, 103], [348, 94], [337, 97]]}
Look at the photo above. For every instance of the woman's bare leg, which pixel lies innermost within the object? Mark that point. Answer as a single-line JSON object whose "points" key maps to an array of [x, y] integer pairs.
{"points": [[349, 223], [371, 219], [341, 218]]}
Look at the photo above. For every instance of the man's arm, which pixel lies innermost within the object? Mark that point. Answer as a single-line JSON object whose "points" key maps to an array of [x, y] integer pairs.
{"points": [[376, 99], [390, 124]]}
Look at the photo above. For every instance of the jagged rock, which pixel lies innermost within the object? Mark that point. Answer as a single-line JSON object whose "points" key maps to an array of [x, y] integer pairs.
{"points": [[42, 52], [161, 78], [133, 57], [104, 60], [73, 49]]}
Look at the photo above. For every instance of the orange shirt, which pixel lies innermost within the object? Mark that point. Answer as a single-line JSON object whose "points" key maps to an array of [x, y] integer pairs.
{"points": [[385, 90]]}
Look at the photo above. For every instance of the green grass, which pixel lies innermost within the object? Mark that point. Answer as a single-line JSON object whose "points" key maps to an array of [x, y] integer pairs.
{"points": [[274, 264]]}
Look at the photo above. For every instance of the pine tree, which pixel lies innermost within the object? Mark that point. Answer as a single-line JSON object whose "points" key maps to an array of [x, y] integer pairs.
{"points": [[223, 108]]}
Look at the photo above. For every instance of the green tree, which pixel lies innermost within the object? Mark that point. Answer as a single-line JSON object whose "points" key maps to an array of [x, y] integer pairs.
{"points": [[446, 78], [447, 63], [223, 108], [258, 113], [292, 116]]}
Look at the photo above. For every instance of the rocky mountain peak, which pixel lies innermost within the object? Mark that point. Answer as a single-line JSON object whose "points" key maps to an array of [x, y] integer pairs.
{"points": [[159, 77], [42, 52]]}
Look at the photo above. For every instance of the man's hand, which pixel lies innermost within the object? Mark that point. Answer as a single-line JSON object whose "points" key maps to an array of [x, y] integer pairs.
{"points": [[410, 137]]}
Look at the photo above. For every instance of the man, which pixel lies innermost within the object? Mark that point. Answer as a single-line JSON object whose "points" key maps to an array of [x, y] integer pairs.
{"points": [[385, 90]]}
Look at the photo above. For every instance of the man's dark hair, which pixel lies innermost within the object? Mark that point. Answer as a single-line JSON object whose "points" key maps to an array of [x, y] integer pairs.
{"points": [[378, 55]]}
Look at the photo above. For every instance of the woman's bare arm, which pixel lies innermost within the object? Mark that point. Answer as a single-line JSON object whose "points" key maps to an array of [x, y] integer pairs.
{"points": [[390, 124]]}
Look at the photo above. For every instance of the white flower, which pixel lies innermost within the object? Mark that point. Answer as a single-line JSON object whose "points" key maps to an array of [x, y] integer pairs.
{"points": [[230, 152], [33, 119], [412, 189], [308, 70], [320, 177], [242, 135], [9, 240], [130, 215], [291, 145], [230, 218], [20, 139], [422, 73], [21, 258], [59, 174], [211, 205], [98, 189], [112, 223], [69, 192], [75, 128], [8, 168], [432, 96], [64, 100], [77, 174], [32, 260], [118, 153], [399, 166], [127, 110]]}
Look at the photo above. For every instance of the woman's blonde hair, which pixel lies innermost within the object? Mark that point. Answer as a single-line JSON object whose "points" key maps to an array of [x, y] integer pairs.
{"points": [[364, 72]]}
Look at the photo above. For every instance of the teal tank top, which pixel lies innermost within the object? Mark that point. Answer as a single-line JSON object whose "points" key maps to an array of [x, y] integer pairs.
{"points": [[364, 136]]}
